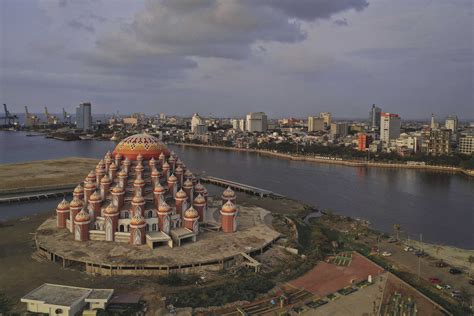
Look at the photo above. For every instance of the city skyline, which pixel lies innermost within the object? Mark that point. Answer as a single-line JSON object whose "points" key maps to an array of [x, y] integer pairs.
{"points": [[285, 60]]}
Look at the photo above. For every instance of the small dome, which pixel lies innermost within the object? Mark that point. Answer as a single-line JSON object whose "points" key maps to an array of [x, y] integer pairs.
{"points": [[171, 159], [228, 193], [139, 157], [89, 186], [111, 209], [188, 173], [76, 203], [181, 194], [95, 197], [138, 199], [117, 189], [188, 184], [199, 187], [91, 174], [164, 207], [152, 160], [113, 166], [63, 205], [191, 213], [179, 170], [137, 219], [155, 173], [162, 156], [139, 182], [179, 162], [199, 199], [122, 174], [79, 189], [105, 180], [172, 178], [127, 162], [82, 216], [228, 207], [159, 188], [166, 165], [139, 167]]}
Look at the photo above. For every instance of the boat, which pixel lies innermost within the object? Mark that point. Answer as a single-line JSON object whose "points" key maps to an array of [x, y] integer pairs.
{"points": [[86, 137]]}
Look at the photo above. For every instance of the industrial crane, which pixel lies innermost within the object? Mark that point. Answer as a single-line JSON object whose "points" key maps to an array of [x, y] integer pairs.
{"points": [[8, 118]]}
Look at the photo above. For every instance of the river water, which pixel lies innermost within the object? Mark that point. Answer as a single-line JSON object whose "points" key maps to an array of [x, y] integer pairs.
{"points": [[440, 206]]}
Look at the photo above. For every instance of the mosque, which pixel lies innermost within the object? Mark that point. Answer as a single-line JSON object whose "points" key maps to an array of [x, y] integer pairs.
{"points": [[142, 194]]}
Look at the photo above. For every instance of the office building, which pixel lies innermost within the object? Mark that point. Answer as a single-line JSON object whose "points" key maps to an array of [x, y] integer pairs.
{"points": [[315, 124], [196, 120], [364, 141], [257, 122], [466, 144], [84, 116], [374, 117], [242, 125], [326, 116], [389, 126], [436, 142], [451, 123], [339, 129]]}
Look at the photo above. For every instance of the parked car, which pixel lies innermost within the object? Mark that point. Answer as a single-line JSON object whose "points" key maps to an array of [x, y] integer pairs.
{"points": [[439, 286], [386, 254], [408, 248], [420, 253], [455, 271], [434, 280], [447, 287]]}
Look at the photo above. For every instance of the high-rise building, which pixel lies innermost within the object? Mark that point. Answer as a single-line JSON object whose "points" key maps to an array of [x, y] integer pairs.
{"points": [[436, 141], [339, 129], [433, 124], [364, 141], [466, 144], [235, 124], [389, 126], [196, 120], [326, 116], [451, 123], [242, 125], [257, 122], [374, 117], [84, 116], [315, 124]]}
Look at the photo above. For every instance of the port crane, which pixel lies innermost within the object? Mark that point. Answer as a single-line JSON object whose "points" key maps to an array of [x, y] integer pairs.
{"points": [[9, 119], [50, 119], [31, 119]]}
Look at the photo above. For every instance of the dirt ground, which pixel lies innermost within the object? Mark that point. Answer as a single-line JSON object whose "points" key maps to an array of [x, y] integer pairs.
{"points": [[45, 172], [20, 273]]}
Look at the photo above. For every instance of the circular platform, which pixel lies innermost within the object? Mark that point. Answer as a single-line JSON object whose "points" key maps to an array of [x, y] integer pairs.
{"points": [[212, 250]]}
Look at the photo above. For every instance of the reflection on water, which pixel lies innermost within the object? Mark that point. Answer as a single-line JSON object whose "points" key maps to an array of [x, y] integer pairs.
{"points": [[438, 205]]}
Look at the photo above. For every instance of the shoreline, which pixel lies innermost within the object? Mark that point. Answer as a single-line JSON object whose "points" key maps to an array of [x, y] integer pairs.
{"points": [[349, 163]]}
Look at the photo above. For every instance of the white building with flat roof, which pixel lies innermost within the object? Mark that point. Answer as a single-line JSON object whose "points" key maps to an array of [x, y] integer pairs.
{"points": [[257, 122], [55, 299], [390, 125]]}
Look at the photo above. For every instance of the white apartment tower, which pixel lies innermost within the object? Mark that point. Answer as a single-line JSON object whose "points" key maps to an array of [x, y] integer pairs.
{"points": [[257, 122], [389, 126]]}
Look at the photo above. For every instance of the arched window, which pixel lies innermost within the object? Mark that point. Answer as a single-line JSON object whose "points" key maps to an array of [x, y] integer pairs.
{"points": [[150, 214], [147, 227], [122, 228], [128, 228], [153, 227], [126, 214]]}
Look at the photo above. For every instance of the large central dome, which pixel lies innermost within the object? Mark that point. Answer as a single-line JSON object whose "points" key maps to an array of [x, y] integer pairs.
{"points": [[144, 144]]}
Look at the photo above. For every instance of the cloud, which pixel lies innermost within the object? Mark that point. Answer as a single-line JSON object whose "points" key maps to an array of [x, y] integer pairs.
{"points": [[341, 22], [225, 29], [78, 25]]}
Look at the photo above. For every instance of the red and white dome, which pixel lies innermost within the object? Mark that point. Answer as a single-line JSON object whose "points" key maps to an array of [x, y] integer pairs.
{"points": [[141, 144]]}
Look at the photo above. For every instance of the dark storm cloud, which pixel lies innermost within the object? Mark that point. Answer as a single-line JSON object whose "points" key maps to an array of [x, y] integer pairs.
{"points": [[310, 10], [341, 22], [78, 25]]}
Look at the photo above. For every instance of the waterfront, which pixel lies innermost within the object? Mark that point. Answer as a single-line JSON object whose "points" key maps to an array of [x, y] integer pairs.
{"points": [[436, 204]]}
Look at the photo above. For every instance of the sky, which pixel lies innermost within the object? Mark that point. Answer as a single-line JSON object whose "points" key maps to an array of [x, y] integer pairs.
{"points": [[228, 57]]}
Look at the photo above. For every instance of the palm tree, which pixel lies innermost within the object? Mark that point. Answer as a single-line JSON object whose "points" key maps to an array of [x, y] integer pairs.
{"points": [[396, 228]]}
